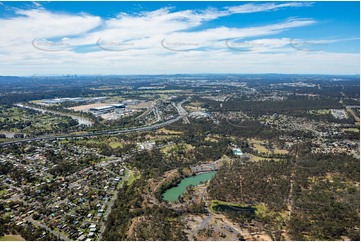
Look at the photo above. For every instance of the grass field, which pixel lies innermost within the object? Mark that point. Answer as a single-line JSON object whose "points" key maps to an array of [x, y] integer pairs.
{"points": [[3, 192], [194, 106], [166, 91], [89, 106], [132, 177], [141, 105], [113, 142], [320, 111], [356, 130], [171, 148], [167, 131], [210, 139], [37, 101], [12, 237], [191, 108], [258, 158], [260, 146], [115, 145]]}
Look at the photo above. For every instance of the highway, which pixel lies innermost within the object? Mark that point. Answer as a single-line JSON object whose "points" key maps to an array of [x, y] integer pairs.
{"points": [[182, 111], [99, 133]]}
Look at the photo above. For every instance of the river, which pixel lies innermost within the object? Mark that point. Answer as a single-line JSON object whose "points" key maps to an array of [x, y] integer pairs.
{"points": [[81, 120], [172, 194]]}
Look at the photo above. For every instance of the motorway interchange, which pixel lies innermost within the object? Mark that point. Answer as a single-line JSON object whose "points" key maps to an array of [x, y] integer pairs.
{"points": [[182, 114]]}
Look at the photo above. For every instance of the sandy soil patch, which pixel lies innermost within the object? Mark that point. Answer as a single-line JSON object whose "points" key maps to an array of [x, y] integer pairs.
{"points": [[12, 237], [167, 131], [89, 106], [141, 105]]}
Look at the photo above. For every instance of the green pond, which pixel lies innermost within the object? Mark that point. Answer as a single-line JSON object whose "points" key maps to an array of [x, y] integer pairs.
{"points": [[172, 194]]}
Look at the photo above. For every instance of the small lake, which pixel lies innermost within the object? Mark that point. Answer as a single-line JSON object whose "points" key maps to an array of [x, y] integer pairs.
{"points": [[172, 194], [246, 212], [229, 208]]}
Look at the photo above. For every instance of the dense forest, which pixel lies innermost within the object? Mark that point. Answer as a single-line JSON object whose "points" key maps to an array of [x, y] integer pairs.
{"points": [[324, 198], [293, 104], [155, 223], [251, 183]]}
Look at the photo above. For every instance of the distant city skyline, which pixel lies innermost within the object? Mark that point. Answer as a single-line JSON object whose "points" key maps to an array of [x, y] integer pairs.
{"points": [[124, 38]]}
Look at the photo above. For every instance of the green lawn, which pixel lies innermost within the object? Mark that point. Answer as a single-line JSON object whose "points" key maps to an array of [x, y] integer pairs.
{"points": [[218, 202], [356, 130], [3, 192], [115, 145], [132, 177]]}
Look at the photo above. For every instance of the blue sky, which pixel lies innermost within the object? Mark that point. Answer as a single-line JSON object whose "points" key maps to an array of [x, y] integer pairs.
{"points": [[179, 37]]}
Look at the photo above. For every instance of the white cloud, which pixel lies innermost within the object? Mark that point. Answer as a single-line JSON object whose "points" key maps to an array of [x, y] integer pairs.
{"points": [[39, 23], [139, 38], [253, 8]]}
